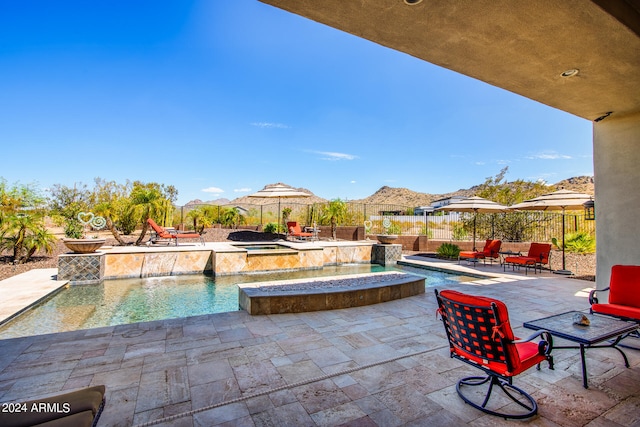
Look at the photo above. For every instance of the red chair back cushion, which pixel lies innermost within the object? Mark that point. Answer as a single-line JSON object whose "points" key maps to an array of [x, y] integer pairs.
{"points": [[294, 227], [624, 286], [540, 251], [471, 331], [492, 248]]}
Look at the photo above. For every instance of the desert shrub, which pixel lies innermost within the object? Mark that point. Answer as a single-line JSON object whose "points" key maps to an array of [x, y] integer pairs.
{"points": [[459, 231], [271, 227], [448, 250], [580, 242]]}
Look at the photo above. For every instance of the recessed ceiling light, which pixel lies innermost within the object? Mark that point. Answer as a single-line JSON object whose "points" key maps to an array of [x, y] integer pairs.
{"points": [[412, 2], [570, 73]]}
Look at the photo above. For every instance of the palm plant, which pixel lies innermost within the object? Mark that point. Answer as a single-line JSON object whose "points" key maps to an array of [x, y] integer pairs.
{"points": [[147, 201], [334, 213]]}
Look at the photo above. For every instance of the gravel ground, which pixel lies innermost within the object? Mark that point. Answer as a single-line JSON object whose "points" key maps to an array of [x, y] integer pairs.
{"points": [[584, 266]]}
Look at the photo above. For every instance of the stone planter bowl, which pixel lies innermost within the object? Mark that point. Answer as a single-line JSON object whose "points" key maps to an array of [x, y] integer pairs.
{"points": [[83, 246], [386, 239]]}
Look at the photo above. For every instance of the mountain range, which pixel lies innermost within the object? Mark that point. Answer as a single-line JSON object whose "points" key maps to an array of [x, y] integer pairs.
{"points": [[399, 196]]}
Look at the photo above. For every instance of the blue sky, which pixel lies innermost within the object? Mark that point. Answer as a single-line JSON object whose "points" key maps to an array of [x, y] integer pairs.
{"points": [[220, 98]]}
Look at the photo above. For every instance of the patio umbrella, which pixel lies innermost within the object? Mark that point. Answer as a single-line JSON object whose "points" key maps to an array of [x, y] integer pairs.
{"points": [[476, 205], [562, 200], [279, 191]]}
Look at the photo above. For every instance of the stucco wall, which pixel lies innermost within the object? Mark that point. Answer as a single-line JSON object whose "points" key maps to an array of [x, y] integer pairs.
{"points": [[616, 148]]}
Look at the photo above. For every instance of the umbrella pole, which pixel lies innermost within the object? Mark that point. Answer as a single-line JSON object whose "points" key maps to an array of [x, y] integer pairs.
{"points": [[564, 270], [475, 214]]}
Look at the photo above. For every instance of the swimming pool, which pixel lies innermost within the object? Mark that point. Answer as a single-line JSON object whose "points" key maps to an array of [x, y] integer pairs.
{"points": [[123, 301]]}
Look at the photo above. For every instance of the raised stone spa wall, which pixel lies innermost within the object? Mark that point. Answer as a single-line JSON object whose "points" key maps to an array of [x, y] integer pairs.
{"points": [[216, 258], [326, 294]]}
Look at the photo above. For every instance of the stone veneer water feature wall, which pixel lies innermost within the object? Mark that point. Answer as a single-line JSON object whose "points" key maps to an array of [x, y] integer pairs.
{"points": [[217, 258]]}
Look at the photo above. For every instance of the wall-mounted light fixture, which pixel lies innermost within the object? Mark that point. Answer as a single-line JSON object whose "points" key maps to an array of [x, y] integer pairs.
{"points": [[412, 2], [589, 210]]}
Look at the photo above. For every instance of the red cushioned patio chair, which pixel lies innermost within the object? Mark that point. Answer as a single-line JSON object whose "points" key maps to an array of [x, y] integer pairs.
{"points": [[479, 334], [624, 294], [490, 252], [537, 256], [296, 231], [162, 233]]}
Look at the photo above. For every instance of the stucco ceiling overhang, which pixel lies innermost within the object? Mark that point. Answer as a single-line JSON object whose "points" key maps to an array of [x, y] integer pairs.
{"points": [[519, 45]]}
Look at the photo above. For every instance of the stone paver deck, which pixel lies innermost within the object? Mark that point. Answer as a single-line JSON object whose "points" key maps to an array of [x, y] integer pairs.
{"points": [[384, 365]]}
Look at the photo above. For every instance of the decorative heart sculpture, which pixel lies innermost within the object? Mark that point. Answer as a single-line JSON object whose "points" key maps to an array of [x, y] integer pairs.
{"points": [[85, 218], [367, 225]]}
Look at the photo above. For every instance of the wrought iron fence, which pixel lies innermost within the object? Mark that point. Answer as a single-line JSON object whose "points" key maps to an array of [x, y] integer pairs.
{"points": [[510, 226]]}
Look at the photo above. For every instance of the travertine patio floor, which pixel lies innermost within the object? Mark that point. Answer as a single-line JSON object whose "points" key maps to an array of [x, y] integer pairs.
{"points": [[384, 365]]}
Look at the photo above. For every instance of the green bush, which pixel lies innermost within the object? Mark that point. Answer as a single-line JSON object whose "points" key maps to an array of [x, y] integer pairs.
{"points": [[271, 227], [448, 250], [580, 242], [459, 231]]}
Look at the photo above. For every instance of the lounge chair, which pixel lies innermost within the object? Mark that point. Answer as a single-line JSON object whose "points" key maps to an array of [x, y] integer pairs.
{"points": [[296, 231], [479, 334], [78, 408], [162, 233], [490, 251], [537, 256]]}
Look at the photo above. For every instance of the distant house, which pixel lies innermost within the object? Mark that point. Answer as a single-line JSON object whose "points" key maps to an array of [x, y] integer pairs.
{"points": [[424, 210], [446, 201]]}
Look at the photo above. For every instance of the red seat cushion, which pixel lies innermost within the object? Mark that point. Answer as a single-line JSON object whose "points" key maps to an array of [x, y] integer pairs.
{"points": [[617, 310], [522, 260]]}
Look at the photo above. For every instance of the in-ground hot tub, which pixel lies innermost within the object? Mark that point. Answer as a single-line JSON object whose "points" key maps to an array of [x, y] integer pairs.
{"points": [[296, 296]]}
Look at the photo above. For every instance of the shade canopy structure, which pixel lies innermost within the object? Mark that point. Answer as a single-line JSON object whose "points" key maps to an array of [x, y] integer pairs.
{"points": [[279, 191], [561, 200], [476, 205]]}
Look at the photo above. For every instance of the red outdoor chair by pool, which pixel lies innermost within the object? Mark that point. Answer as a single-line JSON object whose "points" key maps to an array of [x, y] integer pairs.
{"points": [[162, 233], [490, 251], [296, 231], [538, 255], [479, 334], [624, 294]]}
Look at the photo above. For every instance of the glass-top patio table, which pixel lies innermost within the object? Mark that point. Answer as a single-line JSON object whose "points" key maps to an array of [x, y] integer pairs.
{"points": [[601, 328]]}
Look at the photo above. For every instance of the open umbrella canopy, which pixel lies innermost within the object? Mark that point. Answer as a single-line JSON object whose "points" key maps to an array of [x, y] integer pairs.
{"points": [[558, 200], [561, 200], [476, 205], [279, 190]]}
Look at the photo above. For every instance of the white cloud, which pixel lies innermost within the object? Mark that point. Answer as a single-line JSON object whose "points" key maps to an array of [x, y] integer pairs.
{"points": [[479, 163], [213, 190], [549, 155], [353, 182], [241, 190], [269, 125], [332, 155]]}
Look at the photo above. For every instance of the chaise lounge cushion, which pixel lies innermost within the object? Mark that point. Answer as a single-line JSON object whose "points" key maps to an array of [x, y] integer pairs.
{"points": [[490, 250], [78, 408]]}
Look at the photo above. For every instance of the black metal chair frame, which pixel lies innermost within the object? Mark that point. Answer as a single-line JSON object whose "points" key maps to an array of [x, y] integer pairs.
{"points": [[497, 353]]}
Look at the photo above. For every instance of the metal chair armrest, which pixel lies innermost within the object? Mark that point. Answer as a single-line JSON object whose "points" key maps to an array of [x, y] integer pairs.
{"points": [[544, 346], [593, 297]]}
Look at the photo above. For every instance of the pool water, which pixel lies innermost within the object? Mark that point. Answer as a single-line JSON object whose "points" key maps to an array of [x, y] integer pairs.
{"points": [[123, 301]]}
